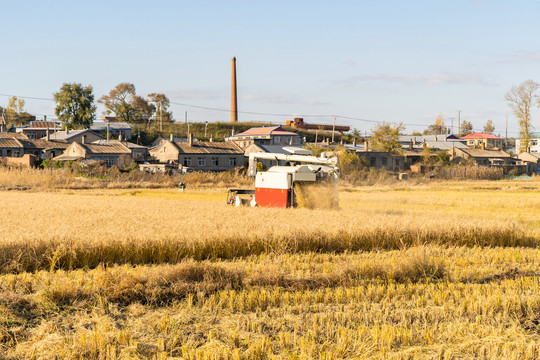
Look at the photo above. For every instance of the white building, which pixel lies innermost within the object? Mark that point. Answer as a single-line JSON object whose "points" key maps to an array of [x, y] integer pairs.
{"points": [[534, 145]]}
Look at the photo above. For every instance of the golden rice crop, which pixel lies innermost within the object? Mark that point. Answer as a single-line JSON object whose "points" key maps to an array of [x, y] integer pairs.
{"points": [[69, 231], [442, 270]]}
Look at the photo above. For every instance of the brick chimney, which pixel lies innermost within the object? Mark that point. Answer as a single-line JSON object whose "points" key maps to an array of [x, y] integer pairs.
{"points": [[48, 135], [190, 139], [234, 101], [120, 136], [172, 137]]}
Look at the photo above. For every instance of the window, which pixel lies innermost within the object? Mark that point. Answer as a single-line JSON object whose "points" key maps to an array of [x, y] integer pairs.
{"points": [[534, 142], [8, 152], [31, 135], [215, 161], [232, 161], [384, 160], [372, 161], [201, 161], [187, 161]]}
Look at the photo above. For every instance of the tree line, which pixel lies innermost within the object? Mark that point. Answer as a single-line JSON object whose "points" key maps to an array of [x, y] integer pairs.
{"points": [[76, 106]]}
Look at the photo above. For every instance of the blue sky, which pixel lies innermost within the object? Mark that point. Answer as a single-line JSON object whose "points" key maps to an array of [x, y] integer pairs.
{"points": [[394, 61]]}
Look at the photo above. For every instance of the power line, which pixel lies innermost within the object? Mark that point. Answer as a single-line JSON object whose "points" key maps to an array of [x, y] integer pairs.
{"points": [[267, 114]]}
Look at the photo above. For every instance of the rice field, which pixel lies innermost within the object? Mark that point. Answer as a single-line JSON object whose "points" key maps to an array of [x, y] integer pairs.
{"points": [[445, 270]]}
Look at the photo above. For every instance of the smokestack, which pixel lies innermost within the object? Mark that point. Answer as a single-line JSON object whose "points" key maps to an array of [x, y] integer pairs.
{"points": [[234, 102]]}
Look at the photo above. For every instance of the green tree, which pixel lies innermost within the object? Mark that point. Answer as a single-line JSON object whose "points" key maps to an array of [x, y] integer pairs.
{"points": [[489, 128], [426, 155], [442, 157], [466, 128], [123, 102], [385, 136], [14, 111], [75, 105], [161, 103], [438, 127], [520, 98], [143, 110]]}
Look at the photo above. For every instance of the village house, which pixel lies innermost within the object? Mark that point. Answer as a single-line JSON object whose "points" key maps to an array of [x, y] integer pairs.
{"points": [[477, 139], [42, 148], [382, 160], [199, 155], [430, 140], [11, 147], [534, 144], [532, 160], [70, 136], [486, 157], [139, 153], [160, 139], [114, 153], [116, 128], [38, 129], [267, 135]]}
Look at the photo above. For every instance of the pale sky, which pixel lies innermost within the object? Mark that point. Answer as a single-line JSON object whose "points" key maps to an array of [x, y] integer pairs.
{"points": [[393, 61]]}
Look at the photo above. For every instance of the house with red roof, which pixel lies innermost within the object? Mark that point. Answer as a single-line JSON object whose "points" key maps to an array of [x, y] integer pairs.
{"points": [[477, 139], [266, 135]]}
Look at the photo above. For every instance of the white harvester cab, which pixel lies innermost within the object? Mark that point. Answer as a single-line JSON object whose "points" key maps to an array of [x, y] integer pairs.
{"points": [[305, 181]]}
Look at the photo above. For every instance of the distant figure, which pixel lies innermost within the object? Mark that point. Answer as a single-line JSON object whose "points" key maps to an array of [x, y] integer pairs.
{"points": [[182, 187]]}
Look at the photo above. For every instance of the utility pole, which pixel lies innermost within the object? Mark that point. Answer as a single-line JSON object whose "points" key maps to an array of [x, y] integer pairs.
{"points": [[160, 117], [316, 136], [205, 126], [452, 126], [506, 134], [186, 116], [333, 128], [459, 122], [188, 130]]}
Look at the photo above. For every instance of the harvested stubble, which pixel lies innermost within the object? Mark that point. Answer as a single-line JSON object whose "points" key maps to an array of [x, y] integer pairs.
{"points": [[244, 309]]}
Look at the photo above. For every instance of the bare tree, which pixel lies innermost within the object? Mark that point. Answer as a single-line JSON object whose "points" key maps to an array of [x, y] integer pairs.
{"points": [[520, 98]]}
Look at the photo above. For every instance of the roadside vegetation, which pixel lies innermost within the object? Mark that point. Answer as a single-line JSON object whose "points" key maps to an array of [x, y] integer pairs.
{"points": [[444, 270]]}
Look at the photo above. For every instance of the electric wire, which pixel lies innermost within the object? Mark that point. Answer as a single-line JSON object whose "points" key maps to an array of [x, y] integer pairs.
{"points": [[350, 118]]}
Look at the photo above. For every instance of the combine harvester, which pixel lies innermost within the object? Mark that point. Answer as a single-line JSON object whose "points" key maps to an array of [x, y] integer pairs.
{"points": [[305, 181]]}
